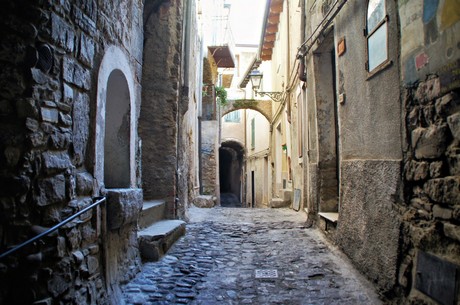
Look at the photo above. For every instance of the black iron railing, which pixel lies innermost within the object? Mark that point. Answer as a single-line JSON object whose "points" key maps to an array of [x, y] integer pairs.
{"points": [[98, 201]]}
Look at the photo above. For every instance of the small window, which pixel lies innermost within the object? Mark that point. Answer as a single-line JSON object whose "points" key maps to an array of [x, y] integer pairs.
{"points": [[232, 117], [377, 34]]}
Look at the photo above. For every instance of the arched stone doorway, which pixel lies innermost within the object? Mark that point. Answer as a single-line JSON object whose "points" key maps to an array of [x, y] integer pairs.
{"points": [[231, 158]]}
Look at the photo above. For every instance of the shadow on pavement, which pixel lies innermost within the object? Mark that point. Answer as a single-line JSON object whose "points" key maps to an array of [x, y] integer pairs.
{"points": [[229, 200]]}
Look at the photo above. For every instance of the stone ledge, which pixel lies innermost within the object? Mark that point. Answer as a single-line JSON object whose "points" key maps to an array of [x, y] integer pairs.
{"points": [[156, 240], [123, 206]]}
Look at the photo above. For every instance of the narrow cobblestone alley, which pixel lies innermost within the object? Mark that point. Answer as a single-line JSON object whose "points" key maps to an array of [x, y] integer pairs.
{"points": [[249, 256]]}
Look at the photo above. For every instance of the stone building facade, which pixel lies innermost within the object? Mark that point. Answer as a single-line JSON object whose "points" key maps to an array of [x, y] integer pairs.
{"points": [[389, 167], [371, 127], [79, 80]]}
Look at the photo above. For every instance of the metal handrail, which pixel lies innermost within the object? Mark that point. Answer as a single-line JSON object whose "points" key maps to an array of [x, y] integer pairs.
{"points": [[50, 230]]}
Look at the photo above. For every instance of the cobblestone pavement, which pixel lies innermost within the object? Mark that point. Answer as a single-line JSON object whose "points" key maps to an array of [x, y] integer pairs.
{"points": [[249, 256]]}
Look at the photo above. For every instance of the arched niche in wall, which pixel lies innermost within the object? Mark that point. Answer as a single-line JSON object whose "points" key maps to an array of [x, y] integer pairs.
{"points": [[117, 135], [115, 122]]}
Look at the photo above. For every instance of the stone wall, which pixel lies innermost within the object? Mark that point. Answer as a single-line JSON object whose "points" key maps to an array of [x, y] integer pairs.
{"points": [[188, 184], [158, 122], [209, 152], [431, 216], [368, 226], [51, 52]]}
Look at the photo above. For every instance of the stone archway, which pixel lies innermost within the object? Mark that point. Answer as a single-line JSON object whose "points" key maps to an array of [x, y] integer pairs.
{"points": [[231, 162], [262, 106]]}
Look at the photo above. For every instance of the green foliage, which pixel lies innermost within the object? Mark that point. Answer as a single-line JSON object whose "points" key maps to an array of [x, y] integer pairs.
{"points": [[221, 95], [245, 103]]}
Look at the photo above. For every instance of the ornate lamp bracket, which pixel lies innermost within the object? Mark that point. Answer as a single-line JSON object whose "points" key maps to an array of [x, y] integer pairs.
{"points": [[274, 96]]}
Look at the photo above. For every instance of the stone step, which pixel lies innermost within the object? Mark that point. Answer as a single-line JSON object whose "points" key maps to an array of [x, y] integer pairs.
{"points": [[279, 203], [156, 240], [152, 211]]}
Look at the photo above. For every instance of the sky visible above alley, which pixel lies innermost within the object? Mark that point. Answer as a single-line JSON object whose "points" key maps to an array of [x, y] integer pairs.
{"points": [[246, 20]]}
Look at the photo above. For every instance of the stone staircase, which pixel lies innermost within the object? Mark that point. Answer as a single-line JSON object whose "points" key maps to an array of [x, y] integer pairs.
{"points": [[157, 234]]}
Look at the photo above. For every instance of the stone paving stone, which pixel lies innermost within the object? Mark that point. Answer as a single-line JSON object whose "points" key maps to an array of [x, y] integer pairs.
{"points": [[216, 263]]}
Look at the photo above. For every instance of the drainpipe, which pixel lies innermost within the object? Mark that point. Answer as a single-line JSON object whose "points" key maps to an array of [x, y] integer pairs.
{"points": [[302, 73]]}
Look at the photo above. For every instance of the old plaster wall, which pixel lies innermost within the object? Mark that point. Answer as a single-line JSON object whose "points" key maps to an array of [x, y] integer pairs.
{"points": [[366, 142], [158, 122], [370, 149], [431, 214], [191, 92], [51, 57], [257, 158]]}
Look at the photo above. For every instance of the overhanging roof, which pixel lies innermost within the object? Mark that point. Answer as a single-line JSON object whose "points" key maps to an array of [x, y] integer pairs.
{"points": [[222, 56], [270, 29]]}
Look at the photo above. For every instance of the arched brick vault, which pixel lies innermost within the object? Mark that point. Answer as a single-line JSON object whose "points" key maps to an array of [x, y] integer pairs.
{"points": [[262, 106]]}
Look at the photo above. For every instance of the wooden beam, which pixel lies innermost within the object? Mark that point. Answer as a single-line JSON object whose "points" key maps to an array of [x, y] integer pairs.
{"points": [[271, 29]]}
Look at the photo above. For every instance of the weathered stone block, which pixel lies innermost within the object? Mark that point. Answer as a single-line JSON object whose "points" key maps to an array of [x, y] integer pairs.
{"points": [[80, 129], [75, 74], [429, 113], [413, 118], [51, 190], [49, 114], [85, 22], [60, 139], [92, 263], [429, 143], [428, 90], [87, 50], [32, 124], [123, 206], [84, 184], [67, 94], [453, 158], [37, 139], [65, 119], [55, 162], [78, 257], [59, 284], [416, 171], [444, 190], [452, 231], [62, 33], [456, 213], [204, 201], [441, 213], [448, 105], [454, 124], [61, 246], [421, 203], [74, 238], [436, 169]]}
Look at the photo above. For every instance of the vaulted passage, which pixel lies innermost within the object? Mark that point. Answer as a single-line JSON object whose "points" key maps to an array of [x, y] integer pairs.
{"points": [[231, 156]]}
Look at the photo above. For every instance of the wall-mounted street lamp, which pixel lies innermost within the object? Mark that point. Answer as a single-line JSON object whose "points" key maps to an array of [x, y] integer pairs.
{"points": [[256, 78]]}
